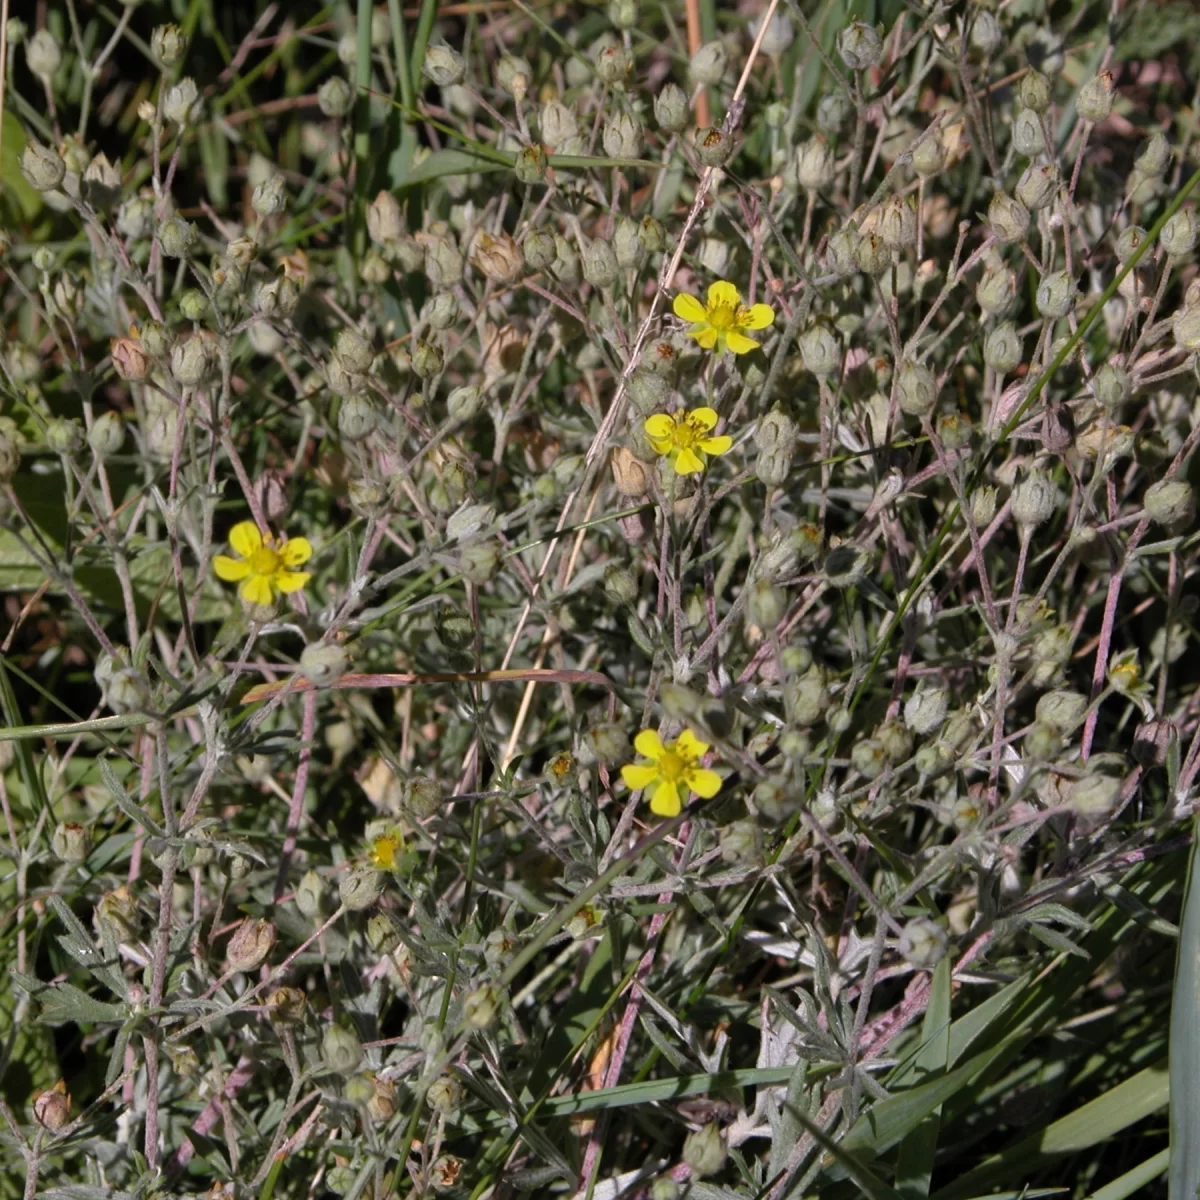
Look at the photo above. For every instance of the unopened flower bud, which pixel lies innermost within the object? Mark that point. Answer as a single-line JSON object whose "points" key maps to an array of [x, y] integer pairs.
{"points": [[922, 943], [1186, 328], [620, 587], [833, 111], [1061, 710], [1179, 235], [1056, 295], [285, 1006], [813, 165], [107, 435], [43, 55], [310, 895], [860, 46], [276, 297], [443, 65], [192, 360], [177, 237], [1003, 350], [867, 757], [70, 843], [335, 97], [613, 64], [622, 136], [1155, 156], [630, 474], [713, 146], [627, 244], [443, 263], [1095, 99], [463, 403], [341, 1050], [422, 797], [704, 1150], [898, 224], [600, 264], [841, 251], [1094, 797], [1171, 503], [821, 351], [250, 944], [671, 110], [42, 167], [181, 103], [477, 562], [360, 888], [52, 1108], [168, 45], [427, 360], [872, 254], [538, 249], [741, 843], [1033, 501], [1008, 218], [385, 221], [482, 1006], [117, 913], [1037, 186], [929, 157], [1034, 91], [1111, 386], [709, 63], [514, 75], [917, 388], [64, 435], [652, 234], [10, 448], [530, 164], [1027, 134]]}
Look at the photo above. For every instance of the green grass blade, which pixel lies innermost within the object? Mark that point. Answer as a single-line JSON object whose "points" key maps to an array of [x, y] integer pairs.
{"points": [[914, 1164], [1184, 1176], [1133, 1181]]}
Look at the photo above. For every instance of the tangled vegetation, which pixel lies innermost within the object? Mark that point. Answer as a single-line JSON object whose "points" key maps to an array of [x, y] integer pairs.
{"points": [[597, 599]]}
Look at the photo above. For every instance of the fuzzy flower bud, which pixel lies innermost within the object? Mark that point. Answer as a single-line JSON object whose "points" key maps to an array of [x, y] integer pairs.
{"points": [[1008, 217], [1171, 503], [918, 390], [671, 110], [1186, 328], [107, 435], [704, 1150], [1027, 134], [70, 843], [499, 258], [323, 663], [481, 1007], [310, 895], [360, 888], [1034, 91], [841, 251], [929, 157], [250, 944], [192, 360], [709, 63], [357, 418], [833, 111], [335, 97], [922, 943], [872, 254], [52, 1108], [427, 360], [1033, 501], [42, 167], [622, 136], [1037, 186], [1180, 234], [385, 221], [860, 46], [627, 244], [1003, 349], [1062, 710], [443, 262], [813, 165], [514, 75], [1056, 295], [613, 64], [269, 196], [898, 224], [713, 146], [1111, 386], [43, 55], [600, 267], [177, 237], [422, 797], [443, 66], [1155, 156], [181, 104], [1095, 99], [341, 1050], [168, 45], [821, 351]]}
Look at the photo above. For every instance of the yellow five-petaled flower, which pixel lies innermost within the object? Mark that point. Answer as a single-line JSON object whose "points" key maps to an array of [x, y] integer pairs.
{"points": [[264, 566], [722, 323], [683, 436], [672, 773]]}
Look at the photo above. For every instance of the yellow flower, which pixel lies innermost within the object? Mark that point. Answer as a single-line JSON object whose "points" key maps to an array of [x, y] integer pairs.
{"points": [[264, 566], [385, 851], [684, 437], [672, 770], [722, 321]]}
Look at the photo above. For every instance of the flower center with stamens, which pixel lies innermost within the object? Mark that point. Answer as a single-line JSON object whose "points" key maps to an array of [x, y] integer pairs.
{"points": [[687, 431], [264, 561], [671, 766], [723, 317]]}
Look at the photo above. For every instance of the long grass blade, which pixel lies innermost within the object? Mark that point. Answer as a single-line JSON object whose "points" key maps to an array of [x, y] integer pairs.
{"points": [[1184, 1176]]}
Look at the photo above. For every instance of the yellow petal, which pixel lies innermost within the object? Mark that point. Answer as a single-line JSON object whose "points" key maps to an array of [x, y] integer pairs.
{"points": [[649, 745], [662, 447], [739, 343], [717, 445], [688, 308], [245, 538], [705, 418], [706, 335], [230, 569], [703, 782], [660, 427], [665, 801], [256, 590], [637, 777], [690, 746], [759, 317], [688, 462], [296, 552], [723, 293], [290, 581]]}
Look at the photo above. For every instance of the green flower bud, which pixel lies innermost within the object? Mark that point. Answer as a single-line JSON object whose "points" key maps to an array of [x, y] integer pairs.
{"points": [[821, 351], [996, 292], [872, 254], [1129, 243], [107, 435], [652, 234], [620, 586], [17, 31], [341, 1051], [841, 251], [70, 843], [11, 443], [833, 111], [1027, 134], [741, 844], [713, 146], [710, 63], [1095, 99], [1179, 235], [606, 743], [1034, 91], [766, 605], [64, 435], [181, 102], [311, 896], [117, 913], [1003, 349], [530, 165], [918, 389], [613, 64], [1171, 503], [929, 157], [600, 267], [443, 65], [42, 167], [360, 888], [955, 430], [704, 1150], [539, 250], [627, 244], [335, 97], [1062, 711], [1034, 500], [445, 1096], [1037, 186], [925, 710], [385, 221], [514, 75], [813, 165], [922, 943], [323, 663], [250, 944], [896, 741], [481, 1007], [1056, 295], [868, 758], [135, 218], [860, 46], [671, 109], [665, 1188], [443, 263], [776, 433], [192, 360], [1155, 156], [898, 224], [43, 55], [1042, 742], [422, 797], [622, 136], [1008, 218], [1186, 328], [177, 237], [1094, 797], [101, 183], [986, 34], [427, 359], [455, 629], [623, 13], [168, 45], [1111, 386], [478, 562]]}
